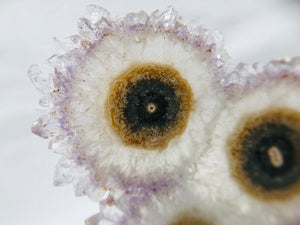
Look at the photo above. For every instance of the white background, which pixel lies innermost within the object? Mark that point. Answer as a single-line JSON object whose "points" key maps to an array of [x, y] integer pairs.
{"points": [[254, 30]]}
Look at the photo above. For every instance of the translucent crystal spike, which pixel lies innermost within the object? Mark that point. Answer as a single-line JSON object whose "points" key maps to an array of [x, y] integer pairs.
{"points": [[95, 13], [40, 80], [58, 62], [63, 173], [154, 17], [212, 39], [169, 17], [58, 144], [39, 127], [86, 28], [140, 18], [180, 29], [102, 26], [68, 43]]}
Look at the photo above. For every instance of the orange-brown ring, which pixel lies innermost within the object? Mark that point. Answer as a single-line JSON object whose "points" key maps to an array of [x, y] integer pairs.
{"points": [[150, 139]]}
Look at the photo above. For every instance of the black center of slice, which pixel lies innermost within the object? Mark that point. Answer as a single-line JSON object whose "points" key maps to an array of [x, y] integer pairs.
{"points": [[151, 104], [272, 154]]}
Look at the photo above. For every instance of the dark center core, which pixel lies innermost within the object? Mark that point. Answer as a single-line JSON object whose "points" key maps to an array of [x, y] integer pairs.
{"points": [[265, 155]]}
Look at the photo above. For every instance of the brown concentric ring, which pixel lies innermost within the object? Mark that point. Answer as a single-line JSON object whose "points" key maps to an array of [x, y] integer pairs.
{"points": [[150, 138]]}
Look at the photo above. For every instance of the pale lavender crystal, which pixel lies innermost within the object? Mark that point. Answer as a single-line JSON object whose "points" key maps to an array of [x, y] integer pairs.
{"points": [[58, 144], [63, 175], [39, 128], [103, 26], [95, 13], [41, 81], [232, 78], [245, 77], [68, 43], [247, 74], [136, 19], [86, 29], [287, 66], [166, 19]]}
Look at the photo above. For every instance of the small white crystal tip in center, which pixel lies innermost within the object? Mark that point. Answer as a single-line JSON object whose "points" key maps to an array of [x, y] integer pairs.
{"points": [[151, 108], [275, 156]]}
